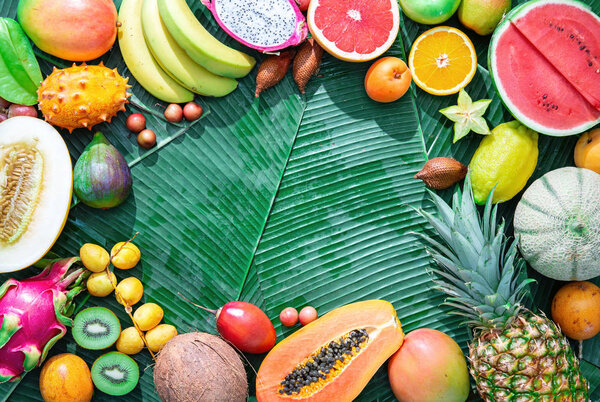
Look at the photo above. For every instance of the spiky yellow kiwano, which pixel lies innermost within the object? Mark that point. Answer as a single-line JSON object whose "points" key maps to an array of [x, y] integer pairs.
{"points": [[82, 96]]}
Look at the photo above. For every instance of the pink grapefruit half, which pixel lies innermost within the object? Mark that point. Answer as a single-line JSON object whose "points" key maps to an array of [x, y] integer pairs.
{"points": [[354, 30]]}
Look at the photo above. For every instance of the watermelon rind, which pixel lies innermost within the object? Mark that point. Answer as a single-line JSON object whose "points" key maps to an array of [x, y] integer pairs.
{"points": [[514, 110]]}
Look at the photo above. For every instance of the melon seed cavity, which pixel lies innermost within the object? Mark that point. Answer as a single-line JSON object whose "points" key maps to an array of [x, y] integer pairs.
{"points": [[324, 365], [21, 168]]}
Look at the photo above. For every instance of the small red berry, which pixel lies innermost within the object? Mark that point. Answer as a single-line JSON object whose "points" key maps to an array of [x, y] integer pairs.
{"points": [[288, 316], [307, 315], [192, 111], [146, 138], [136, 122], [174, 113]]}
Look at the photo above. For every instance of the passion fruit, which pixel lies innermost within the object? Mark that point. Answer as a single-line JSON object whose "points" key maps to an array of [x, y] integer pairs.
{"points": [[576, 309]]}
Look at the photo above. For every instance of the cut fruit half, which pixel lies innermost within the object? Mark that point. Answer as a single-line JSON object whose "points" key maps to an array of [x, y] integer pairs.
{"points": [[354, 30], [544, 59], [442, 60], [36, 183]]}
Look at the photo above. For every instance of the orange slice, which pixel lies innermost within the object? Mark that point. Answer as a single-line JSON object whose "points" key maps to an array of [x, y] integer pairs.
{"points": [[354, 30], [442, 60]]}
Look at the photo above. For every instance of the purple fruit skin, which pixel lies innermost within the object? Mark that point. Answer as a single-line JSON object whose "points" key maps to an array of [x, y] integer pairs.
{"points": [[21, 110], [4, 104], [300, 33], [3, 117], [32, 316], [102, 178]]}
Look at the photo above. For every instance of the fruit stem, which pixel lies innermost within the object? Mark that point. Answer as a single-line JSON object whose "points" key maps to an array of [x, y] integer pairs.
{"points": [[197, 305]]}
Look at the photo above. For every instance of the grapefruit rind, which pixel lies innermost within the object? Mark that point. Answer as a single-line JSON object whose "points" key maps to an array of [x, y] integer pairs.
{"points": [[333, 49], [467, 78], [502, 92]]}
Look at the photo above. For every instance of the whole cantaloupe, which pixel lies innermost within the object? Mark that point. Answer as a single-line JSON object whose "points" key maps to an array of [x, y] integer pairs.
{"points": [[558, 224]]}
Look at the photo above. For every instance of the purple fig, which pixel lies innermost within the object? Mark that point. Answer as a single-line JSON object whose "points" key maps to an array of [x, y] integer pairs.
{"points": [[101, 177]]}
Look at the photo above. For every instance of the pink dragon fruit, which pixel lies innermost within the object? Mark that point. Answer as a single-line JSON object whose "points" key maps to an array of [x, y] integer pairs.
{"points": [[34, 313], [264, 25]]}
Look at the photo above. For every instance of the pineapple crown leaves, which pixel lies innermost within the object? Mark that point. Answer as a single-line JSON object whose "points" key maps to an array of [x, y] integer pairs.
{"points": [[479, 268]]}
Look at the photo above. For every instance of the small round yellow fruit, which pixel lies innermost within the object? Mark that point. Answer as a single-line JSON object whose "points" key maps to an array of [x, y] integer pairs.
{"points": [[128, 256], [130, 342], [129, 291], [101, 284], [148, 316], [94, 257], [158, 336]]}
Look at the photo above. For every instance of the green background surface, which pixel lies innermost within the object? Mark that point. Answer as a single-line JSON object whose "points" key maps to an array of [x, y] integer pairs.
{"points": [[286, 200]]}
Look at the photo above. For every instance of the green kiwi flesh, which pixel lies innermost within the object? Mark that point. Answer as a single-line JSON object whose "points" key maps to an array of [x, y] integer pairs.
{"points": [[96, 328], [115, 373]]}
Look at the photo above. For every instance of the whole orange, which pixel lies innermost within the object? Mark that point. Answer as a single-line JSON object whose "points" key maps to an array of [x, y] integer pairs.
{"points": [[387, 80], [587, 151], [576, 309], [66, 378]]}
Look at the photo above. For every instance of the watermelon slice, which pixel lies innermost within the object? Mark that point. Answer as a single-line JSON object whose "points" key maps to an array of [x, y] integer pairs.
{"points": [[544, 59]]}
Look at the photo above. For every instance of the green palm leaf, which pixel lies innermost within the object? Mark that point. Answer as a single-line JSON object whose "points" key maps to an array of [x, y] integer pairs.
{"points": [[284, 200]]}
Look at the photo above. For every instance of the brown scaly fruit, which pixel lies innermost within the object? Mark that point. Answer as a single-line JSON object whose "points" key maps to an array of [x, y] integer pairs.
{"points": [[515, 355], [441, 172], [272, 70], [307, 63], [82, 96]]}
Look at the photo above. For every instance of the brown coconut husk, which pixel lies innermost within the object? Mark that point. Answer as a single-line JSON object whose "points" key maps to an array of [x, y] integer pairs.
{"points": [[199, 367]]}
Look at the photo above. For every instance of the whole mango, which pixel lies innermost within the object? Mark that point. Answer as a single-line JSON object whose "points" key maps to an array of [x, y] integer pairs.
{"points": [[482, 16], [429, 367], [77, 30]]}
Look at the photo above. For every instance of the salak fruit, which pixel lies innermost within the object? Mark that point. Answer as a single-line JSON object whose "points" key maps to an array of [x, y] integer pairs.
{"points": [[306, 63], [35, 313], [72, 30], [333, 357], [82, 96], [102, 178], [558, 40], [442, 172], [267, 25], [272, 70]]}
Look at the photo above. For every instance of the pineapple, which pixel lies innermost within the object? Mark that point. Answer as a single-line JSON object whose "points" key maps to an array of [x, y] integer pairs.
{"points": [[515, 355]]}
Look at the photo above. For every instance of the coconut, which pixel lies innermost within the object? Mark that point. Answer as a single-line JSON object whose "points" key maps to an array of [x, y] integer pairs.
{"points": [[199, 367]]}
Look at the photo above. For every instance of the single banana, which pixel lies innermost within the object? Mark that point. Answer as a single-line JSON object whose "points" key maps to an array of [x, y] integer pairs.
{"points": [[199, 44], [175, 61], [139, 60]]}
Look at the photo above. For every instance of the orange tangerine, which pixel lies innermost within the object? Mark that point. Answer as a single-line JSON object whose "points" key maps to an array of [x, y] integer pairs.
{"points": [[442, 60]]}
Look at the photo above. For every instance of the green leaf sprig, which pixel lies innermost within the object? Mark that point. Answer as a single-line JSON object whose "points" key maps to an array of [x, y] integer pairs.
{"points": [[20, 74]]}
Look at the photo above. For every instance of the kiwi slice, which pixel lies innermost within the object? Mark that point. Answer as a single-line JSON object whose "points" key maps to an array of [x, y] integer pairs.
{"points": [[96, 328], [115, 373]]}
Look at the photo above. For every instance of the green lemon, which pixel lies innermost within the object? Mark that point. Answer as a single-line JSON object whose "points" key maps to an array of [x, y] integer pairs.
{"points": [[505, 159]]}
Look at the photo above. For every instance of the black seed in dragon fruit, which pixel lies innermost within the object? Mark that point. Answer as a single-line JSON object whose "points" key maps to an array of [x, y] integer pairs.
{"points": [[264, 25]]}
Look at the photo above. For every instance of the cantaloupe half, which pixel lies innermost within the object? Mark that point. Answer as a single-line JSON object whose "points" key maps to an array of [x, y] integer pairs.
{"points": [[558, 224], [36, 182]]}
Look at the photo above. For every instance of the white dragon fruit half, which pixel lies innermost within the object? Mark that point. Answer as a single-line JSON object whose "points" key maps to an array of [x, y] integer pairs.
{"points": [[264, 25]]}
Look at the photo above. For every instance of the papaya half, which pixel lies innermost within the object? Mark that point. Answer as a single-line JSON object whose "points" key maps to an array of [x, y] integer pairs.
{"points": [[332, 358]]}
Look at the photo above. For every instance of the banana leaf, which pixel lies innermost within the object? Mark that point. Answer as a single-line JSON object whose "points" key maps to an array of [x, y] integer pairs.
{"points": [[285, 200]]}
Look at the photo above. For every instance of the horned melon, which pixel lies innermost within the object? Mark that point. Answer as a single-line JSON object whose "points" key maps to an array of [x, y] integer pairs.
{"points": [[36, 183], [558, 224]]}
